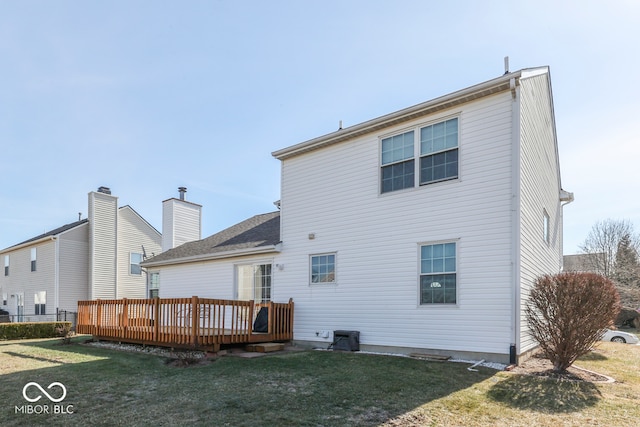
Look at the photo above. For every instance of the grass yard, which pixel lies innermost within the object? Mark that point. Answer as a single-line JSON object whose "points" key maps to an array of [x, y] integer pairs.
{"points": [[305, 388]]}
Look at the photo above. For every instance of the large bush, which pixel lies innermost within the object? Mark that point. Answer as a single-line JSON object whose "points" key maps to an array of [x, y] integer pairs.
{"points": [[25, 330], [568, 312]]}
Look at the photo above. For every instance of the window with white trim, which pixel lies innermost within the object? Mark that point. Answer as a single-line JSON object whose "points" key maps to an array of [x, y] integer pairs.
{"points": [[254, 282], [134, 263], [6, 265], [34, 254], [436, 147], [5, 296], [322, 268], [40, 300], [154, 284], [438, 268]]}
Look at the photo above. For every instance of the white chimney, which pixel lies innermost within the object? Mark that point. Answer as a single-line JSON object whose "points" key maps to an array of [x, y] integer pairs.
{"points": [[181, 221]]}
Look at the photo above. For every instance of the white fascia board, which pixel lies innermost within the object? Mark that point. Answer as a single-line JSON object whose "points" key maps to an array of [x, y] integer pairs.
{"points": [[447, 101], [215, 256]]}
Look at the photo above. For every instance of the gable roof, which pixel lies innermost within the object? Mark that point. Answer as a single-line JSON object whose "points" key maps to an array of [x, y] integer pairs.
{"points": [[508, 81], [48, 234], [258, 234]]}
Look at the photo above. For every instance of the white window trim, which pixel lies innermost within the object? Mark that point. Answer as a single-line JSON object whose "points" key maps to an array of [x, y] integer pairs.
{"points": [[417, 156], [236, 289], [335, 269], [457, 273], [131, 263]]}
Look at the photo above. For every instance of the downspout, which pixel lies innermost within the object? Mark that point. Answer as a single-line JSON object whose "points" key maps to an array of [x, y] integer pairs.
{"points": [[515, 222], [56, 273]]}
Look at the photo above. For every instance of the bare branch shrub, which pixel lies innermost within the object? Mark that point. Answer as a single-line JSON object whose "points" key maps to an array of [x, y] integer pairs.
{"points": [[568, 312]]}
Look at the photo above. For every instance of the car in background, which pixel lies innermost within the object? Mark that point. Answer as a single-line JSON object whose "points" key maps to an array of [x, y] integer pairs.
{"points": [[619, 336]]}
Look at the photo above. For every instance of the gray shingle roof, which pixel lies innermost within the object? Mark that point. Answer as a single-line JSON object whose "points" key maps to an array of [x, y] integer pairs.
{"points": [[51, 233], [257, 232]]}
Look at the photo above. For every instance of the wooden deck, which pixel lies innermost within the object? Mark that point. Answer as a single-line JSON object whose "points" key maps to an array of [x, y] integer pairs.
{"points": [[194, 322]]}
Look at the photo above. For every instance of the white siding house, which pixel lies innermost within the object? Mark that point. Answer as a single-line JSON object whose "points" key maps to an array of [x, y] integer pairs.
{"points": [[422, 229], [97, 257]]}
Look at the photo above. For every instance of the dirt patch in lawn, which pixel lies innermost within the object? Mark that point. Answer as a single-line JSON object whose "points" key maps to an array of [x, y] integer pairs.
{"points": [[539, 366]]}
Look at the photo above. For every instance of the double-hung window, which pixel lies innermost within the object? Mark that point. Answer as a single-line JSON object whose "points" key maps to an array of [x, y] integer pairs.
{"points": [[33, 259], [6, 265], [154, 285], [398, 164], [439, 151], [438, 273], [40, 300], [436, 148], [134, 263]]}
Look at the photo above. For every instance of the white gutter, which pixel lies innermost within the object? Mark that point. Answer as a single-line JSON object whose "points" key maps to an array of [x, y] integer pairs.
{"points": [[215, 256], [27, 244], [490, 87]]}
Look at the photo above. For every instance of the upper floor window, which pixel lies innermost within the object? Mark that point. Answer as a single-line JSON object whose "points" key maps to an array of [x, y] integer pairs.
{"points": [[323, 268], [6, 265], [436, 148], [398, 164], [439, 151], [438, 273], [33, 259], [134, 261]]}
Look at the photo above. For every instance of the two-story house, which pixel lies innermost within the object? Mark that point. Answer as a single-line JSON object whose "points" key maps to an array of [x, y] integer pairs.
{"points": [[96, 257], [423, 230]]}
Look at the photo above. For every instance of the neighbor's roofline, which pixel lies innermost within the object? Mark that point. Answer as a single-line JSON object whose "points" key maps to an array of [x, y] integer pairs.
{"points": [[214, 256], [481, 90]]}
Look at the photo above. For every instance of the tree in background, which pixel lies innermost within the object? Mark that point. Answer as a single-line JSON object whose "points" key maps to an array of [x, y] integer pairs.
{"points": [[603, 243], [626, 268], [568, 312]]}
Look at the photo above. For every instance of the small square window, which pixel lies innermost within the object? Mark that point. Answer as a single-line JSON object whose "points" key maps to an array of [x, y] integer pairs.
{"points": [[323, 268]]}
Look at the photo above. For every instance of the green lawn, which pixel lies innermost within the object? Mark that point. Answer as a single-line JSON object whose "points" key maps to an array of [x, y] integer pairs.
{"points": [[306, 388]]}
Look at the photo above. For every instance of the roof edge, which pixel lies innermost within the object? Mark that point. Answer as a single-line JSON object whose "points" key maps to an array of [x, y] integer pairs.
{"points": [[450, 100], [215, 256]]}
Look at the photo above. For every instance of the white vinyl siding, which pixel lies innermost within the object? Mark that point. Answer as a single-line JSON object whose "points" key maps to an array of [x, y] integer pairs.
{"points": [[134, 234], [181, 223], [539, 188], [376, 237], [73, 272], [103, 224]]}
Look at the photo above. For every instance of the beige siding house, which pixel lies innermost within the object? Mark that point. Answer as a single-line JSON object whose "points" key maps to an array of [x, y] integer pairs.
{"points": [[97, 257], [421, 230]]}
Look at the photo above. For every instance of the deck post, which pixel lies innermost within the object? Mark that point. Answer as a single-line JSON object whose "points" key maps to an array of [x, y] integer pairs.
{"points": [[156, 319], [125, 314], [98, 317], [195, 320]]}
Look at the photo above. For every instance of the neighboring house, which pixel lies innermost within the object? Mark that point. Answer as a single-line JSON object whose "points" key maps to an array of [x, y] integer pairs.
{"points": [[583, 262], [423, 229], [97, 257]]}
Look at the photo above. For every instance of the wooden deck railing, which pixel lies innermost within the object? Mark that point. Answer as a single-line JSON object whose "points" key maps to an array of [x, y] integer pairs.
{"points": [[183, 322]]}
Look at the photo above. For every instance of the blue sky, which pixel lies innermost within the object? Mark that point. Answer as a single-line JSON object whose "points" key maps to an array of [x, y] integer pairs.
{"points": [[147, 96]]}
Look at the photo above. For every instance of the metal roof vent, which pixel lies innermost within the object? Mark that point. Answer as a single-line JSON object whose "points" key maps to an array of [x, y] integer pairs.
{"points": [[182, 191]]}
